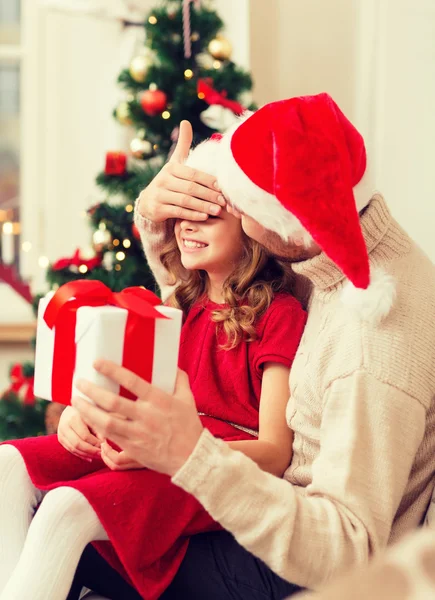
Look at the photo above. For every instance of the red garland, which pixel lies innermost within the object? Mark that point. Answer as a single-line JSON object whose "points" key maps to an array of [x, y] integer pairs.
{"points": [[20, 382], [212, 96], [76, 261], [116, 163]]}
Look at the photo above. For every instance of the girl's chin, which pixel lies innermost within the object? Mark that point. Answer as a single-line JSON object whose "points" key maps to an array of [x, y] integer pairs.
{"points": [[192, 265]]}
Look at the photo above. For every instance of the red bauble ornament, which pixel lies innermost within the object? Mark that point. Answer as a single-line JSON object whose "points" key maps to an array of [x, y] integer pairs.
{"points": [[135, 232], [116, 163], [153, 102]]}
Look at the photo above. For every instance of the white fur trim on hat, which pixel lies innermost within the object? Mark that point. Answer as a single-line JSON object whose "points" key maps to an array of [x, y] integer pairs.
{"points": [[374, 303], [204, 157]]}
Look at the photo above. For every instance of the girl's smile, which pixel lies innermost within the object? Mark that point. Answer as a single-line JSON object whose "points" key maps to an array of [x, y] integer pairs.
{"points": [[190, 245]]}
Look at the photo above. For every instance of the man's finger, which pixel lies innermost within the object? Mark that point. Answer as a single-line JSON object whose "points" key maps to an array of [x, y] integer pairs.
{"points": [[120, 459], [184, 142], [126, 379], [108, 425], [109, 463], [108, 401], [176, 212], [182, 387], [190, 174], [233, 211], [200, 197]]}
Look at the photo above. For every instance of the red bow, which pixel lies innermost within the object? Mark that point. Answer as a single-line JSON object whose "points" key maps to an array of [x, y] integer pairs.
{"points": [[76, 261], [61, 313], [19, 381], [212, 96]]}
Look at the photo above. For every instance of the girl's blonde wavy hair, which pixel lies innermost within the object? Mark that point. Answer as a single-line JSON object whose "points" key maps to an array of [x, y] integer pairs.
{"points": [[247, 292]]}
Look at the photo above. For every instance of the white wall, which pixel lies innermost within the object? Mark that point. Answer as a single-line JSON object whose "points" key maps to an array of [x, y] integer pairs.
{"points": [[300, 48], [377, 59], [403, 119]]}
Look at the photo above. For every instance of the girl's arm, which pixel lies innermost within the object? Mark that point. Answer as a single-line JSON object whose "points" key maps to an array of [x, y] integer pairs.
{"points": [[273, 449]]}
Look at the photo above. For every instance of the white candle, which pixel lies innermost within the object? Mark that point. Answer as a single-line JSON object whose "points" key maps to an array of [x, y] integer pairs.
{"points": [[8, 249]]}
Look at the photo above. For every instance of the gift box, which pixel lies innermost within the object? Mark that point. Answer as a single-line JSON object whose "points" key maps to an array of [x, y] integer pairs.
{"points": [[84, 320]]}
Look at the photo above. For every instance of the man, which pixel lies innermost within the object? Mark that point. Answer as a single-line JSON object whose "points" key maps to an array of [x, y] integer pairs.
{"points": [[362, 383]]}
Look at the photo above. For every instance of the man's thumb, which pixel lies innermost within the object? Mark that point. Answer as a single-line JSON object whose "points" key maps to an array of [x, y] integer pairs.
{"points": [[184, 142], [182, 387]]}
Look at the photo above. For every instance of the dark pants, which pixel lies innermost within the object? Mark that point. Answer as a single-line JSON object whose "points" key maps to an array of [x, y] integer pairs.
{"points": [[215, 567]]}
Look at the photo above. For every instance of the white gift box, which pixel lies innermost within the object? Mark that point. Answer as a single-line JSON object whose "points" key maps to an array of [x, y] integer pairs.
{"points": [[100, 333]]}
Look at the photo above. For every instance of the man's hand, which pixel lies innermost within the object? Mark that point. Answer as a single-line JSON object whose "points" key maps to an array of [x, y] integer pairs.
{"points": [[118, 461], [76, 437], [180, 192], [160, 430]]}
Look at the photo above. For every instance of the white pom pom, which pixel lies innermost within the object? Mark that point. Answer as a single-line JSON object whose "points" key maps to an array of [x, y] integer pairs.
{"points": [[374, 303]]}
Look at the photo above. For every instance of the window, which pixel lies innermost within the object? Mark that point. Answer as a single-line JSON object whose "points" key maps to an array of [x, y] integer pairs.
{"points": [[10, 56]]}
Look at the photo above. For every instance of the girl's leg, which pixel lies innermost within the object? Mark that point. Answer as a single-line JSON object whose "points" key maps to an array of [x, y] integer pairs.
{"points": [[64, 524], [18, 500]]}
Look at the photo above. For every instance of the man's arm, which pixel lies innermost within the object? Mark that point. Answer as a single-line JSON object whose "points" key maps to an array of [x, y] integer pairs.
{"points": [[154, 236], [369, 437]]}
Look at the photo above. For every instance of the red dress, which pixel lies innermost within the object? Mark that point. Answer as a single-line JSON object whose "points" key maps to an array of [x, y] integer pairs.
{"points": [[147, 518]]}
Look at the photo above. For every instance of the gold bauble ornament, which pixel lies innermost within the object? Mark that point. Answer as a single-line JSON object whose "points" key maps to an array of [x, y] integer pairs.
{"points": [[141, 148], [123, 113], [139, 67], [220, 48]]}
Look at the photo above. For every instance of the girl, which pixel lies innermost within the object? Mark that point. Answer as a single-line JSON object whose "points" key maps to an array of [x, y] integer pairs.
{"points": [[237, 351]]}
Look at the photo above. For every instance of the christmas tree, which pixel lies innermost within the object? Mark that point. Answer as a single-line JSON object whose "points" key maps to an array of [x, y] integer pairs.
{"points": [[183, 71]]}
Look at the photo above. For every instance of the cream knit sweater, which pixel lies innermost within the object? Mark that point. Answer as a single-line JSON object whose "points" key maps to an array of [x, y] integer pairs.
{"points": [[362, 411]]}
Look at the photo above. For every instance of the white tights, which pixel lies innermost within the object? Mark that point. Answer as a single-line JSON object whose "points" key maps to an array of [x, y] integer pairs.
{"points": [[39, 553]]}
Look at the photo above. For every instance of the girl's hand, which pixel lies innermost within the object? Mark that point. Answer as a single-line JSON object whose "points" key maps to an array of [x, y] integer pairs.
{"points": [[180, 192], [118, 461], [76, 437]]}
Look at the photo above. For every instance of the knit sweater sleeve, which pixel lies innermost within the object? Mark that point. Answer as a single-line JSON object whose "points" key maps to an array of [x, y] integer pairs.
{"points": [[369, 436], [153, 237]]}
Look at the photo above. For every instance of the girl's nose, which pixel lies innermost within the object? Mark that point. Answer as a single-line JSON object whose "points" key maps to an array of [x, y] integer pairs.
{"points": [[186, 225]]}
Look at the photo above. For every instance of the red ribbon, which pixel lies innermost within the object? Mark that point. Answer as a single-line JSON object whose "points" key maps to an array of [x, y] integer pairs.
{"points": [[61, 313], [212, 96], [20, 381]]}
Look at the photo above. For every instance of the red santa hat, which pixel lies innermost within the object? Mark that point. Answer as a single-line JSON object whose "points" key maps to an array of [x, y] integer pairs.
{"points": [[299, 167]]}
